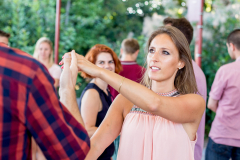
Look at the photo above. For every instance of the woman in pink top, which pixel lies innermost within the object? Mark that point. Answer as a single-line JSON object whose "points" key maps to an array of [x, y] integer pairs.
{"points": [[159, 119]]}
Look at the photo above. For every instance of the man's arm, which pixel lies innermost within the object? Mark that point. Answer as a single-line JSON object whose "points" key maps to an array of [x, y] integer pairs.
{"points": [[68, 98], [67, 86], [212, 104], [217, 89], [55, 130]]}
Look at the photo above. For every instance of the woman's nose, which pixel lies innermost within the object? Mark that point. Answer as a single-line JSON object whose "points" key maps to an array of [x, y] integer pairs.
{"points": [[107, 65], [155, 57]]}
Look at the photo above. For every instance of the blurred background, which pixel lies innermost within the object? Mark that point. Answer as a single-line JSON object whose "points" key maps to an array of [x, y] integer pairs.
{"points": [[85, 23]]}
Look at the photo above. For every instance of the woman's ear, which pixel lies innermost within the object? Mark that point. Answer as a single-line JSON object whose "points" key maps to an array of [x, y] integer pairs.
{"points": [[181, 64]]}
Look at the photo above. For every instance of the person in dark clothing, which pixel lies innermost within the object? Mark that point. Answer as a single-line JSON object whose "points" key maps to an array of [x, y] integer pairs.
{"points": [[96, 98]]}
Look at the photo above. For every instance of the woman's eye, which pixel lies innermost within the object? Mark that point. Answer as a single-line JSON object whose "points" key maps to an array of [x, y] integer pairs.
{"points": [[151, 50], [166, 52], [111, 62], [101, 62]]}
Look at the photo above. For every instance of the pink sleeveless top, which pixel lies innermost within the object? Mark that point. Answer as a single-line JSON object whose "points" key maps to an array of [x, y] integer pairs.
{"points": [[145, 136]]}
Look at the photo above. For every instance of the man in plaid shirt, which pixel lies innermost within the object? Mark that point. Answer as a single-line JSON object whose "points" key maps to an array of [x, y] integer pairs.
{"points": [[29, 107]]}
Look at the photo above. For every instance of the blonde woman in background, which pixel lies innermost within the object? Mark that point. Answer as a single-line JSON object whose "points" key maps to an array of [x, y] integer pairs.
{"points": [[44, 53]]}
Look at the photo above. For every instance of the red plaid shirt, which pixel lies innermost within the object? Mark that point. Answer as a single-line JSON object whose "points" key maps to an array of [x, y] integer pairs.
{"points": [[29, 106]]}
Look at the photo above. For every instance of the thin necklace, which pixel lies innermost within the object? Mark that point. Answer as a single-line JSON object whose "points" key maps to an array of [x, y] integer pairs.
{"points": [[168, 94]]}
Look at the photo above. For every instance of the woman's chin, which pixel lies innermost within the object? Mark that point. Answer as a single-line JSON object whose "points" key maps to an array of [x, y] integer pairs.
{"points": [[153, 77]]}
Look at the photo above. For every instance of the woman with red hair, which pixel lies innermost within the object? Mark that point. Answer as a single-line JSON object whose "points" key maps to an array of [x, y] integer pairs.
{"points": [[96, 98]]}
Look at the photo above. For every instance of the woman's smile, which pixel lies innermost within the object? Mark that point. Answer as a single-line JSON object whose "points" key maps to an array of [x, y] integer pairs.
{"points": [[154, 69]]}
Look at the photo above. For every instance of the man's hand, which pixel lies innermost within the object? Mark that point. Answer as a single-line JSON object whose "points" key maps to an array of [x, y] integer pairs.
{"points": [[70, 71], [68, 80], [67, 85]]}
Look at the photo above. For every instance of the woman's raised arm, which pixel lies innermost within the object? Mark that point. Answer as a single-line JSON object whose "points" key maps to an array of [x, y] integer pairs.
{"points": [[183, 109]]}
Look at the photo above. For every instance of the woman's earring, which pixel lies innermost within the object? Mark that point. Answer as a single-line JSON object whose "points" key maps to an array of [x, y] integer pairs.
{"points": [[179, 68]]}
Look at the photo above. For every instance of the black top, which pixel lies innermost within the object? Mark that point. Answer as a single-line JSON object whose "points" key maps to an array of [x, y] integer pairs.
{"points": [[106, 102]]}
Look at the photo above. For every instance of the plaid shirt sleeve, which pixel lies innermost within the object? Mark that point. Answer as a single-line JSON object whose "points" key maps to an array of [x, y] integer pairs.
{"points": [[55, 130], [29, 106]]}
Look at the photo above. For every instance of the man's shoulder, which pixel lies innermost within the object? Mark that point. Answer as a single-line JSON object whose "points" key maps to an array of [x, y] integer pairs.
{"points": [[228, 71], [229, 65], [20, 61], [227, 68]]}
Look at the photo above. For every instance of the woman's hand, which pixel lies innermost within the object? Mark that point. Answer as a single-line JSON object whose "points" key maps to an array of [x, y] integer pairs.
{"points": [[84, 65]]}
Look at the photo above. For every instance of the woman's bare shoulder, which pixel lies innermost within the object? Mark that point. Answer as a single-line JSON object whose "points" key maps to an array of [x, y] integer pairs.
{"points": [[91, 98]]}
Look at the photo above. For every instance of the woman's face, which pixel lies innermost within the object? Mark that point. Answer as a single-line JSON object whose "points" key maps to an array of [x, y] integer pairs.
{"points": [[44, 50], [105, 60], [163, 59]]}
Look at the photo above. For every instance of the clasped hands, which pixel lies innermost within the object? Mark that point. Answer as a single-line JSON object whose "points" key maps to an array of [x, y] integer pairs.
{"points": [[72, 63]]}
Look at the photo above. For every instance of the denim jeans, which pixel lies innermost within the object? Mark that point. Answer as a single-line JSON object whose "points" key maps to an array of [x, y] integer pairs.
{"points": [[216, 151]]}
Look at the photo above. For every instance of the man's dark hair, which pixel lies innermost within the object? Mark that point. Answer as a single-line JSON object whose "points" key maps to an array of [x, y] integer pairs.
{"points": [[234, 38], [183, 25], [4, 34]]}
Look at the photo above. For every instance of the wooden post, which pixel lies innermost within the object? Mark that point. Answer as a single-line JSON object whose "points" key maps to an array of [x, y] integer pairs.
{"points": [[57, 30], [198, 55]]}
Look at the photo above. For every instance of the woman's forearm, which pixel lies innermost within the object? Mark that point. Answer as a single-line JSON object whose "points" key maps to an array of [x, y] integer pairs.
{"points": [[94, 152], [134, 92]]}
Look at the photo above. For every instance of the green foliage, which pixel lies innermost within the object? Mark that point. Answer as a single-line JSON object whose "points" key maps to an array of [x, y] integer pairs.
{"points": [[84, 23]]}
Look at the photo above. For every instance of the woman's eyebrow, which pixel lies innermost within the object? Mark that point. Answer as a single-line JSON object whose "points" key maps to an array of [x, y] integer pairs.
{"points": [[166, 48], [163, 48]]}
